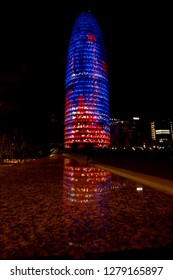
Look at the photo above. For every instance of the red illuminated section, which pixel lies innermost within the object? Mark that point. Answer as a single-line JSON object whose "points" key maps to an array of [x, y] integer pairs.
{"points": [[91, 38], [86, 118], [84, 126], [104, 67], [83, 184]]}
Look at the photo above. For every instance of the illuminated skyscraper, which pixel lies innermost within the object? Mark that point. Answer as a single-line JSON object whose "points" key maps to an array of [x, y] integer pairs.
{"points": [[87, 117]]}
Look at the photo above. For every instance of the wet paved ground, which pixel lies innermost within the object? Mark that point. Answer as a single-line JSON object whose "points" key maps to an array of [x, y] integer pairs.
{"points": [[63, 209]]}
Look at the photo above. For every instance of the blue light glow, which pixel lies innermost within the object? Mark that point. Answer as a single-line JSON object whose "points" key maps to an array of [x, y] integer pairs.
{"points": [[86, 86]]}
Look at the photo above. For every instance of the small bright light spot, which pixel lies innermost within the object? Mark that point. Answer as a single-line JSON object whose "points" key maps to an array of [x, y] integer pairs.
{"points": [[135, 118]]}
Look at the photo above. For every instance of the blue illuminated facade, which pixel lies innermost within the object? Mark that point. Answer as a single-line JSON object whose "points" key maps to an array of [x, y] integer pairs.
{"points": [[87, 118]]}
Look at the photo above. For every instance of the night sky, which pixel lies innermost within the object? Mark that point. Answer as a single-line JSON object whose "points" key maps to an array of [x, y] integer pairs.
{"points": [[34, 44]]}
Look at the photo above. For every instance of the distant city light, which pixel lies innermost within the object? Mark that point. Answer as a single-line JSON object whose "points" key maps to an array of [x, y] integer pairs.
{"points": [[135, 118], [162, 131]]}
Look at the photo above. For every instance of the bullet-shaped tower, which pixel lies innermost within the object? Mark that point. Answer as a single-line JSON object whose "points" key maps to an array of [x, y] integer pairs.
{"points": [[86, 117]]}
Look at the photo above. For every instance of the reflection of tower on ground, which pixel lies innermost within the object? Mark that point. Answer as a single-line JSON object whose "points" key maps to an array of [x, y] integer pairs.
{"points": [[45, 216], [103, 212], [84, 193], [83, 184]]}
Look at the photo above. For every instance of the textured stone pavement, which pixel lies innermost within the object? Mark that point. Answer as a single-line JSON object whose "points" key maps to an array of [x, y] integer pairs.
{"points": [[62, 209]]}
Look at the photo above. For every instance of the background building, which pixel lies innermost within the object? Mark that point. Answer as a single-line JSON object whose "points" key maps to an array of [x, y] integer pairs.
{"points": [[141, 132], [86, 118], [162, 131], [129, 132]]}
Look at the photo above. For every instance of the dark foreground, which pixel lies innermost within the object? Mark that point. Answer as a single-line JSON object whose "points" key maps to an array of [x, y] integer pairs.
{"points": [[159, 164], [62, 209]]}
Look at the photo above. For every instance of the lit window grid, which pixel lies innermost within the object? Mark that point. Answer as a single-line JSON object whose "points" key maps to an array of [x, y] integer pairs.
{"points": [[86, 75]]}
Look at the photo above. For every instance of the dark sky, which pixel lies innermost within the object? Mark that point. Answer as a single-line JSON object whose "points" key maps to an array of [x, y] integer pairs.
{"points": [[34, 43]]}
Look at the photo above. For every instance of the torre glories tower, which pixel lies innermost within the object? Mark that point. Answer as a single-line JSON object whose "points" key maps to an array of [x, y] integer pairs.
{"points": [[86, 119]]}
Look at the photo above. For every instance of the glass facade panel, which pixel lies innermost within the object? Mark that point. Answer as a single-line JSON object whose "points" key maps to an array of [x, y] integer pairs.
{"points": [[87, 118]]}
